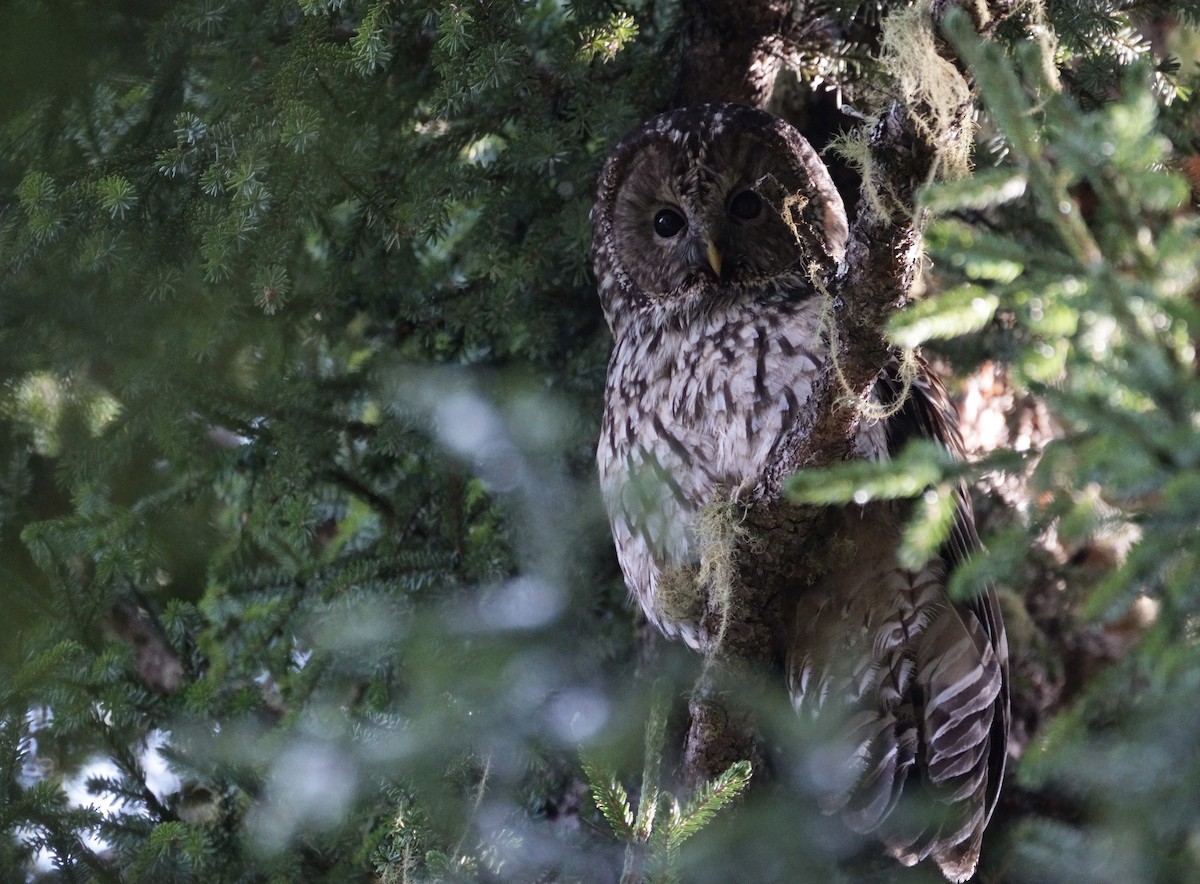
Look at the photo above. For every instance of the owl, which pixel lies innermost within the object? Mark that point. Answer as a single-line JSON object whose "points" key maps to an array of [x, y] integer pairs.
{"points": [[714, 228]]}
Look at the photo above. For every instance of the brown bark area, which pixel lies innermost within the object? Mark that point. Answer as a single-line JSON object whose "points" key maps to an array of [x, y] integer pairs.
{"points": [[728, 51], [157, 664], [744, 636]]}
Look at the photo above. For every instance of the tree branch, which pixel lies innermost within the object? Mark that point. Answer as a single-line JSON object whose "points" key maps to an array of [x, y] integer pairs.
{"points": [[731, 50]]}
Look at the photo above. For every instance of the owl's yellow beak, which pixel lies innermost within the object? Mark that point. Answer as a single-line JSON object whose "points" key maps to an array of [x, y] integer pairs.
{"points": [[714, 258]]}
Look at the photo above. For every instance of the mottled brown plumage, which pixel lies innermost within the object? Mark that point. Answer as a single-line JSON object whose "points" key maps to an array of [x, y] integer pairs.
{"points": [[710, 227]]}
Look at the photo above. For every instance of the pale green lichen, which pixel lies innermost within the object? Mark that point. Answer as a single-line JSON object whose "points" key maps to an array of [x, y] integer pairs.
{"points": [[935, 93], [679, 597], [686, 594]]}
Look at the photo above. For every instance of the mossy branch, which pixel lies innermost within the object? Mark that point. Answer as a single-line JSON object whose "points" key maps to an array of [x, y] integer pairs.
{"points": [[922, 132]]}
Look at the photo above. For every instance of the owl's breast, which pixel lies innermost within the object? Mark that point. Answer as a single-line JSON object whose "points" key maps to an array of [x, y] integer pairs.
{"points": [[696, 413]]}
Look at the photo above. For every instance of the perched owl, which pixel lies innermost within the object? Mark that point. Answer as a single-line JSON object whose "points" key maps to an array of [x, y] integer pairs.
{"points": [[710, 225]]}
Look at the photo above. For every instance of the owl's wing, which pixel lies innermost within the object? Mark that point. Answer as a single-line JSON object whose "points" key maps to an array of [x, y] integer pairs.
{"points": [[965, 680], [922, 680], [928, 413]]}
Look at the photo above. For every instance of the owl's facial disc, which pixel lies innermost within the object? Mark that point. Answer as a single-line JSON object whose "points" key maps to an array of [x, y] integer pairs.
{"points": [[670, 225], [712, 206], [692, 221]]}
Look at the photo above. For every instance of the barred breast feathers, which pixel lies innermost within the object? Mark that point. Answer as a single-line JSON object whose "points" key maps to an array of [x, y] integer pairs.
{"points": [[691, 413]]}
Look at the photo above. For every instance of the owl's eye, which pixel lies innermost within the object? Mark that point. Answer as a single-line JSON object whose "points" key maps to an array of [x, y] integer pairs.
{"points": [[668, 222], [746, 205]]}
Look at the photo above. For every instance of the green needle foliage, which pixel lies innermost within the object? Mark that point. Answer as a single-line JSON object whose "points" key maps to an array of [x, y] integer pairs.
{"points": [[1070, 255], [301, 558], [655, 834], [256, 509]]}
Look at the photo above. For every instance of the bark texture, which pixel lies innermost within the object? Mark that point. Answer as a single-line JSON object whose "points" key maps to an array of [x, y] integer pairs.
{"points": [[731, 51]]}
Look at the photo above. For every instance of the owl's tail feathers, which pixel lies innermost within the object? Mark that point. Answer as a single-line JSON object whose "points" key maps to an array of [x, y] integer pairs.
{"points": [[960, 677], [954, 845], [883, 749], [939, 745], [884, 753]]}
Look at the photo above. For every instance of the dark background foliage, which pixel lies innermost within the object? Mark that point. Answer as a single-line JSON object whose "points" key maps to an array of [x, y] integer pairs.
{"points": [[300, 551]]}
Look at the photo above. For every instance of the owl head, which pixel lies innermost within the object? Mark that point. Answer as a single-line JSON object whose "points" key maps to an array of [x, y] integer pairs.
{"points": [[707, 204]]}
